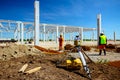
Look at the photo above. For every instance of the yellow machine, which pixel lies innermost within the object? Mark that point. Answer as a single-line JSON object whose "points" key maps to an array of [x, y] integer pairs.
{"points": [[73, 64], [75, 61]]}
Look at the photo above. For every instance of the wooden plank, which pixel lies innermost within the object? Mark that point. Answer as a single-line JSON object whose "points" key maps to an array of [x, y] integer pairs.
{"points": [[33, 70], [23, 68]]}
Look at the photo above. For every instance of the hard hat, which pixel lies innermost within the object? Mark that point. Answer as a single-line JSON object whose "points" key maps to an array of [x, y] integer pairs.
{"points": [[101, 33], [77, 35]]}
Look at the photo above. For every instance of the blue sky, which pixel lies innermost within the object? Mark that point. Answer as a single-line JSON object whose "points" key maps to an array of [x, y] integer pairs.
{"points": [[66, 12]]}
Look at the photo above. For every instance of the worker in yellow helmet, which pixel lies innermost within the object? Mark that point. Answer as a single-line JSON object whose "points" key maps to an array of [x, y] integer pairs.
{"points": [[77, 41], [102, 43]]}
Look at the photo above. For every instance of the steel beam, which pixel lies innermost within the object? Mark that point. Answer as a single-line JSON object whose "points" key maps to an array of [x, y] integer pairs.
{"points": [[57, 34], [98, 26], [36, 22], [22, 33]]}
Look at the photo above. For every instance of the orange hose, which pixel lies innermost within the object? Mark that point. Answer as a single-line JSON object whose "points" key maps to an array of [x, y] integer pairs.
{"points": [[115, 63]]}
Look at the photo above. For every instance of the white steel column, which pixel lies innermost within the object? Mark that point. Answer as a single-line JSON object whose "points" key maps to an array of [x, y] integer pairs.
{"points": [[81, 34], [52, 34], [15, 35], [33, 34], [72, 36], [44, 33], [22, 33], [98, 26], [57, 34], [18, 31], [93, 35], [29, 36], [26, 36], [114, 37], [36, 22], [41, 36], [64, 32], [0, 35], [48, 36]]}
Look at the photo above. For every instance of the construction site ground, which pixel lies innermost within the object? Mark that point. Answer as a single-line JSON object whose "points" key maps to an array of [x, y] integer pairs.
{"points": [[14, 56]]}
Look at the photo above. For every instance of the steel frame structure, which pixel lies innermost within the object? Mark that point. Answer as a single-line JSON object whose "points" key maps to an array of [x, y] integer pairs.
{"points": [[24, 30]]}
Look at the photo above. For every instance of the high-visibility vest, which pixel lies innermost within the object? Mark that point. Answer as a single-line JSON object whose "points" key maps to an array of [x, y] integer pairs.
{"points": [[103, 39], [77, 41]]}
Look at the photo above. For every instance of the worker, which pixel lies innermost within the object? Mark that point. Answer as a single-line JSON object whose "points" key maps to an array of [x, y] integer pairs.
{"points": [[77, 41], [102, 43], [61, 41]]}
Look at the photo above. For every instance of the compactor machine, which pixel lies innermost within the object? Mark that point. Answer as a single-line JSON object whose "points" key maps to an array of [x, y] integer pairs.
{"points": [[75, 61]]}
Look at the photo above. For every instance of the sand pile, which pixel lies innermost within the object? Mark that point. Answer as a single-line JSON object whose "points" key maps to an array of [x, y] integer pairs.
{"points": [[14, 51]]}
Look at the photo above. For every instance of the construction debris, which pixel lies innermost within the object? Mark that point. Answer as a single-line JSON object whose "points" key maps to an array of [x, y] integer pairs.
{"points": [[110, 46], [33, 70], [22, 70], [118, 49], [86, 48], [68, 47]]}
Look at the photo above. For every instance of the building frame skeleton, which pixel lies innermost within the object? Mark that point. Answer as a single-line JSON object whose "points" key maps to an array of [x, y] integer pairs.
{"points": [[35, 30], [25, 30]]}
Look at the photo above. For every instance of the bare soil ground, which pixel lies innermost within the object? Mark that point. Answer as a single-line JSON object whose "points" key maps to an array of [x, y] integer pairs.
{"points": [[13, 57]]}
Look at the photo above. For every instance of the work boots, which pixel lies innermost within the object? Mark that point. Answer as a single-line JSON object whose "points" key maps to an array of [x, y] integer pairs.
{"points": [[104, 51], [100, 52]]}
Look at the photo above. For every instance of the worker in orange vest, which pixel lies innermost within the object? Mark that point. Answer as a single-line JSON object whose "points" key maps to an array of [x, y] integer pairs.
{"points": [[61, 41]]}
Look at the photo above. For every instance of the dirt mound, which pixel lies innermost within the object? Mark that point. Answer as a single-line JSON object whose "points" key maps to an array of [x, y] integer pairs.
{"points": [[73, 49], [110, 46], [68, 47], [118, 49], [15, 56], [86, 48], [49, 71], [14, 51]]}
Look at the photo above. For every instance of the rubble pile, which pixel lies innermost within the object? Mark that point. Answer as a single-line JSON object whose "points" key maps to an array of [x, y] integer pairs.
{"points": [[73, 49], [68, 47], [86, 48], [110, 46], [118, 49]]}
